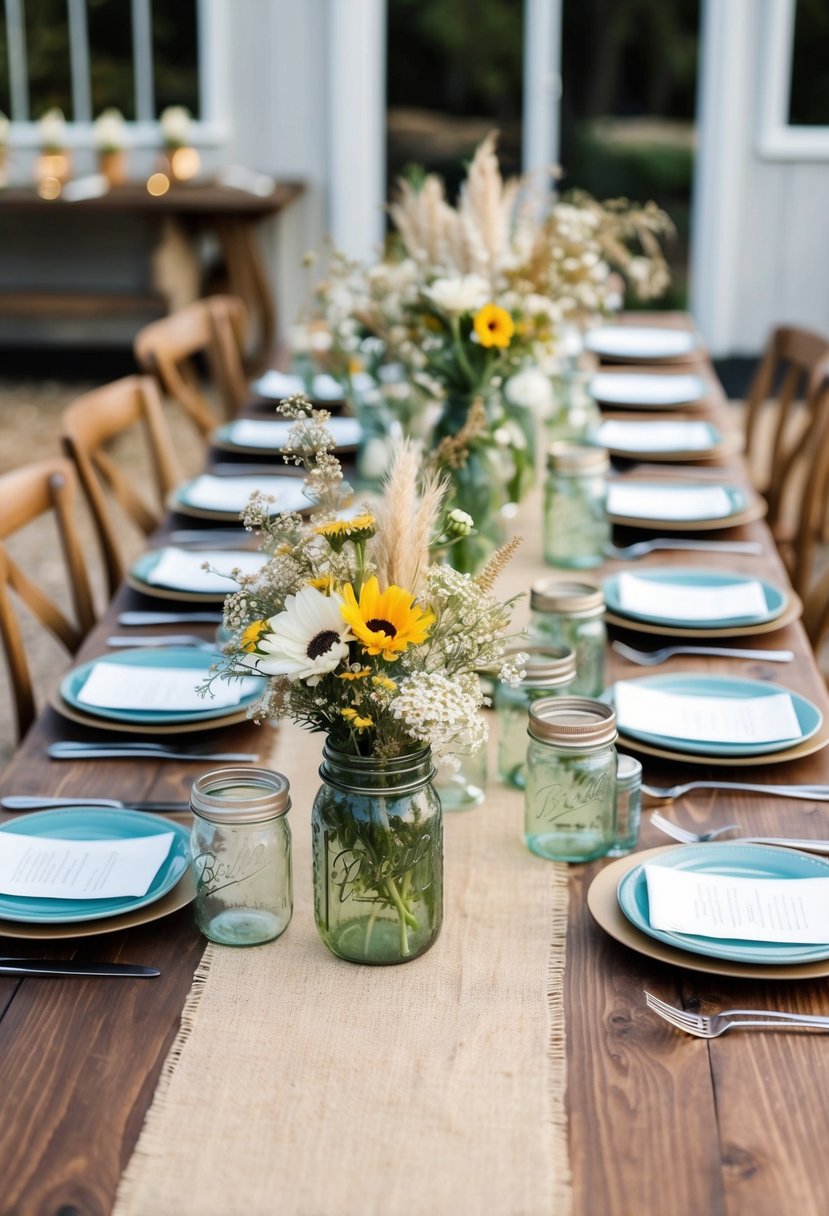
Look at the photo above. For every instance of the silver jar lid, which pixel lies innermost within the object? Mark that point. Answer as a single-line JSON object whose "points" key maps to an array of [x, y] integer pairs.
{"points": [[628, 772], [576, 458], [240, 795], [546, 666], [574, 722], [574, 598]]}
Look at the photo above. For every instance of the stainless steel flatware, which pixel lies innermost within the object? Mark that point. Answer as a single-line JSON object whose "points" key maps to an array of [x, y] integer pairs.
{"points": [[641, 548], [135, 751], [652, 658], [33, 802], [685, 836], [46, 966], [170, 639], [807, 793], [211, 538], [710, 1026], [142, 619]]}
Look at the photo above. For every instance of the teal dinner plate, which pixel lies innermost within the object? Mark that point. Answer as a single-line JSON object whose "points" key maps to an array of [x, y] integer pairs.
{"points": [[738, 501], [200, 661], [809, 716], [694, 576], [95, 823], [619, 439], [267, 436], [734, 861], [143, 566]]}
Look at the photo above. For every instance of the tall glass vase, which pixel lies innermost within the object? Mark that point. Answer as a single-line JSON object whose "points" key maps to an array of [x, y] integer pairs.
{"points": [[378, 856]]}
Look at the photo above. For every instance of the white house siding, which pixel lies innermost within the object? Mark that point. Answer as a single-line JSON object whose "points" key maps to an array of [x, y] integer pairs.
{"points": [[760, 253]]}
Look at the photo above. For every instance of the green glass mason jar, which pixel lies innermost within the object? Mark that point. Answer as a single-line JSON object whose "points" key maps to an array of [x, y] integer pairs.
{"points": [[576, 524], [564, 612], [550, 672], [378, 856], [240, 846], [575, 412], [570, 798]]}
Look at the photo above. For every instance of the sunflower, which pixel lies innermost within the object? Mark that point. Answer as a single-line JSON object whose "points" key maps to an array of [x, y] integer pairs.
{"points": [[304, 642], [385, 623], [494, 326]]}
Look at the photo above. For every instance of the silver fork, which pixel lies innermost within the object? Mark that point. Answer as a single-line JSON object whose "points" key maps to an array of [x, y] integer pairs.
{"points": [[807, 793], [688, 837], [710, 1026], [641, 548], [651, 658]]}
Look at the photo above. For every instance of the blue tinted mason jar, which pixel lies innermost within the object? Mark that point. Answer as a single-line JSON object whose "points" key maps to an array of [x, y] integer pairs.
{"points": [[576, 523], [564, 612], [570, 797], [550, 672]]}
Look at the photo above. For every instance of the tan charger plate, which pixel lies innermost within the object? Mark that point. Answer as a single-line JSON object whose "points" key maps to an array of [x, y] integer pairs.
{"points": [[183, 893], [173, 593], [755, 510], [604, 908], [806, 748], [131, 728], [790, 613]]}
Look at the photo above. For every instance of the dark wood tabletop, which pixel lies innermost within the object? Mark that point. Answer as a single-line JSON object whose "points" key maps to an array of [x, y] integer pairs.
{"points": [[660, 1124]]}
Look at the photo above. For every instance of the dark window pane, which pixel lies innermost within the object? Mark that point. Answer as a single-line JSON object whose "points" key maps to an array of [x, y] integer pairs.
{"points": [[110, 56], [176, 55], [47, 48], [454, 73], [809, 102], [5, 97]]}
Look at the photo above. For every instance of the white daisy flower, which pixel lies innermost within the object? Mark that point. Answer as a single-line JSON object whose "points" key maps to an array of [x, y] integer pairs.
{"points": [[305, 641]]}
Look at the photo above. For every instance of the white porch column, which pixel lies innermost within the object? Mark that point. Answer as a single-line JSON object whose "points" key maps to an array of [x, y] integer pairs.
{"points": [[542, 85], [357, 124], [724, 131]]}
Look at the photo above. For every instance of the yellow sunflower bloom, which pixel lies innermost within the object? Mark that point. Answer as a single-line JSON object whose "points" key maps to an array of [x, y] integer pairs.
{"points": [[494, 326], [385, 623], [252, 635]]}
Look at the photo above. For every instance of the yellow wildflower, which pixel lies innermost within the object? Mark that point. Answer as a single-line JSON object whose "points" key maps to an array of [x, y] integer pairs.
{"points": [[494, 326], [325, 583], [338, 531], [384, 682], [354, 675], [356, 720], [252, 635]]}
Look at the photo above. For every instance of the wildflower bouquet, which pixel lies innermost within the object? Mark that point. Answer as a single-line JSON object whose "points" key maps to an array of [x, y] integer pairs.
{"points": [[362, 639]]}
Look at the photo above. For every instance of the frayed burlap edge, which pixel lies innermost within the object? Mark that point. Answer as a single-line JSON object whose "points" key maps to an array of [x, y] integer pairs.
{"points": [[557, 1045]]}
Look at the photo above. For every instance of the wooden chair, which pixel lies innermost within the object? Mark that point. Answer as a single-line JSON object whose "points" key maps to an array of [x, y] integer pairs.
{"points": [[91, 424], [26, 494], [213, 328]]}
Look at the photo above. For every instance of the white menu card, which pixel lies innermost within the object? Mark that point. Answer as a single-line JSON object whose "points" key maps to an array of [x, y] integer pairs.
{"points": [[766, 719], [212, 493], [792, 910], [39, 866], [668, 502], [165, 689], [182, 568], [679, 601], [655, 436]]}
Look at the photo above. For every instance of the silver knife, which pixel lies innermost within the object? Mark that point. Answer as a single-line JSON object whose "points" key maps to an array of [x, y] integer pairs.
{"points": [[128, 619], [46, 966], [104, 752], [33, 802]]}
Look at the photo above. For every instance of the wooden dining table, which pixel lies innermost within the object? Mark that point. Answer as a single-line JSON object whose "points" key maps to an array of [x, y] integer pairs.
{"points": [[658, 1123]]}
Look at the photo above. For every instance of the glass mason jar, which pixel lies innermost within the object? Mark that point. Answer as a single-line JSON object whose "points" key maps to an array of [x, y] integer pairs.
{"points": [[550, 672], [569, 613], [570, 798], [463, 788], [576, 524], [241, 855], [378, 856], [628, 805], [575, 413]]}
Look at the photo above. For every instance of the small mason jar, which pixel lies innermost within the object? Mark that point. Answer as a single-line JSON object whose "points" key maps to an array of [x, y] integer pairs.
{"points": [[628, 805], [550, 673], [571, 614], [241, 855], [570, 798], [576, 413], [576, 524]]}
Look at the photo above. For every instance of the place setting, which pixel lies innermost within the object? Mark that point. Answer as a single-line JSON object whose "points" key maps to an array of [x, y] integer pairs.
{"points": [[153, 690], [224, 497], [176, 573], [635, 343], [682, 506], [648, 390], [267, 436], [697, 602], [85, 870], [715, 720], [669, 440]]}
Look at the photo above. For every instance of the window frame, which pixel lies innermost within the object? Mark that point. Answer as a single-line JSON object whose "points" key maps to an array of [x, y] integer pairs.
{"points": [[211, 130], [777, 138]]}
